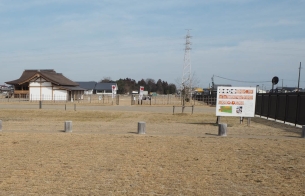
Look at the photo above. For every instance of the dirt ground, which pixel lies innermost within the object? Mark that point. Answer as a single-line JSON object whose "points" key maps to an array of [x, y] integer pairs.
{"points": [[180, 154]]}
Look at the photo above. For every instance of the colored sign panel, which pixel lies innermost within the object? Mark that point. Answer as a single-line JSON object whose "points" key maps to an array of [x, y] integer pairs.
{"points": [[235, 101]]}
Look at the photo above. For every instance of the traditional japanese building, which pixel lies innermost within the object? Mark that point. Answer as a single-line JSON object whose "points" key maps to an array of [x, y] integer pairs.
{"points": [[46, 84]]}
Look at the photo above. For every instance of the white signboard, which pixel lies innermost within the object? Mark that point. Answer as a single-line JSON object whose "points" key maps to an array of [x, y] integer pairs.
{"points": [[113, 90], [235, 101], [141, 92]]}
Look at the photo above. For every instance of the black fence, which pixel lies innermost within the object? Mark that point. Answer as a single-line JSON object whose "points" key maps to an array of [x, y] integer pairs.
{"points": [[287, 107], [206, 99]]}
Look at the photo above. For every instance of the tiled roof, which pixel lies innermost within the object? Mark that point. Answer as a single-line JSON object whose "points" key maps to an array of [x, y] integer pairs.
{"points": [[104, 86], [87, 85], [48, 74]]}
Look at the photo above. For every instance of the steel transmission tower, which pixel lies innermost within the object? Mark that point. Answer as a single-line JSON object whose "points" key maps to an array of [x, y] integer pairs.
{"points": [[186, 76]]}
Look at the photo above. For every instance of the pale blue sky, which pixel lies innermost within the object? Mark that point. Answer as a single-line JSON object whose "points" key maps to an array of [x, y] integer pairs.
{"points": [[248, 40]]}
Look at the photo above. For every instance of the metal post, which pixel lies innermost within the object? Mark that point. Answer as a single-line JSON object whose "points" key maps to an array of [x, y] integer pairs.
{"points": [[241, 120], [167, 99], [218, 120], [299, 77], [192, 109], [249, 121], [303, 131], [40, 104]]}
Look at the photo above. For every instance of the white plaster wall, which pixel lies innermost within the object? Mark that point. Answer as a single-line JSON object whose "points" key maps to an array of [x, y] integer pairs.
{"points": [[38, 89], [46, 93], [34, 93], [47, 84], [32, 84], [60, 95]]}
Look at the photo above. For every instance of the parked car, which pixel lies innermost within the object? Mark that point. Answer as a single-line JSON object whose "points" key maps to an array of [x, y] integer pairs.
{"points": [[146, 98]]}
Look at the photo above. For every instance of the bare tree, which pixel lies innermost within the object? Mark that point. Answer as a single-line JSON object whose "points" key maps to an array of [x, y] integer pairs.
{"points": [[106, 80]]}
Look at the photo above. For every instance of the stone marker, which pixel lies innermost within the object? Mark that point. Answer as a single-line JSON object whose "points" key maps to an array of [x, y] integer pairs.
{"points": [[303, 131], [141, 127], [0, 125], [222, 129], [68, 126]]}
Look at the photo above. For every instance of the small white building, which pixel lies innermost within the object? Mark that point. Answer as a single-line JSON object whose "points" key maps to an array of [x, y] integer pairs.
{"points": [[46, 85]]}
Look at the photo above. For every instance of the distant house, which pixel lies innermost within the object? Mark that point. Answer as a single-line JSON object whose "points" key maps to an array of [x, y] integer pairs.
{"points": [[286, 89], [45, 84], [106, 88], [99, 88], [4, 88], [7, 91], [88, 86]]}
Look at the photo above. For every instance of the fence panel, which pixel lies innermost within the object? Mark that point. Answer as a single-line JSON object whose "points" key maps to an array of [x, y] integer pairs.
{"points": [[272, 106], [287, 107], [258, 105], [291, 108], [281, 107], [301, 110], [265, 102]]}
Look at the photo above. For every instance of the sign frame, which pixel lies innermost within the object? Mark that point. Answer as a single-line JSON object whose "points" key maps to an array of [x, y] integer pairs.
{"points": [[236, 101]]}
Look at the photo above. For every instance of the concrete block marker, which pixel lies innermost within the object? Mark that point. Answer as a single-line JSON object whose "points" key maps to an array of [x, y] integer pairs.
{"points": [[68, 126], [141, 127], [0, 125], [222, 129], [303, 131]]}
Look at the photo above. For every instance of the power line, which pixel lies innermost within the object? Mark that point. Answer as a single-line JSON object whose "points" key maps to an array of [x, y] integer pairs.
{"points": [[241, 80]]}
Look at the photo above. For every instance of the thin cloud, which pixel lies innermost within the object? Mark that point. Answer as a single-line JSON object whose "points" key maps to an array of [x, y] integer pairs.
{"points": [[282, 23]]}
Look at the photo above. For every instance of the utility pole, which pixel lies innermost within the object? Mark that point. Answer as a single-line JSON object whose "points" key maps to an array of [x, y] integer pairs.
{"points": [[186, 76], [299, 77]]}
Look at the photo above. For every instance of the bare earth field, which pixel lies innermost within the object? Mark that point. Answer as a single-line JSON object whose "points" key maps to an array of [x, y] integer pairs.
{"points": [[180, 154]]}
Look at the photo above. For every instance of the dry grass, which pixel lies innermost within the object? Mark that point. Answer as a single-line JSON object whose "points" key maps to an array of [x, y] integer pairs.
{"points": [[180, 155]]}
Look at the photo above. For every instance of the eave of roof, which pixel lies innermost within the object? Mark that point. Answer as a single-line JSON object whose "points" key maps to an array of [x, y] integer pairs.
{"points": [[49, 75], [72, 88]]}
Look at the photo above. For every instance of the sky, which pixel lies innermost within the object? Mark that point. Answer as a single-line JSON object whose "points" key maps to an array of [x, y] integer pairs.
{"points": [[239, 42]]}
